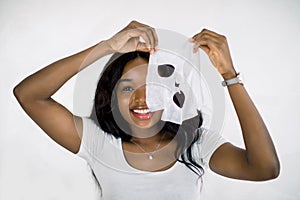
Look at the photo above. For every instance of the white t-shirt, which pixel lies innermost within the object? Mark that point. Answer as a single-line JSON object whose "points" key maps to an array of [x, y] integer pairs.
{"points": [[120, 181]]}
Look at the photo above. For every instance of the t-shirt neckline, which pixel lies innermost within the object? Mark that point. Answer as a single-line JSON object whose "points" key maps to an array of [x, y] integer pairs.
{"points": [[139, 170]]}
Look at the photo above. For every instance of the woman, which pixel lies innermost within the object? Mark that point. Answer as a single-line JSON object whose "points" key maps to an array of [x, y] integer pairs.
{"points": [[153, 160]]}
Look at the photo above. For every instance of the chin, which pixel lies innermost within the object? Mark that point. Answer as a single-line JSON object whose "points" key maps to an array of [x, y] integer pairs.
{"points": [[146, 122]]}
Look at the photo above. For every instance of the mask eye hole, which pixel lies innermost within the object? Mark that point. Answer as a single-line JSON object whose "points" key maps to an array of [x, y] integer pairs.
{"points": [[165, 70], [179, 99]]}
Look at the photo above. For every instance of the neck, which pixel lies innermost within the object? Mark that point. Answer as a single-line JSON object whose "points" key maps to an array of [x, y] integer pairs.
{"points": [[149, 140], [147, 135]]}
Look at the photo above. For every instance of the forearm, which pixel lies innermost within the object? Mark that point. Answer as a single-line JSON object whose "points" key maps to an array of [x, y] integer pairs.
{"points": [[260, 150], [44, 83]]}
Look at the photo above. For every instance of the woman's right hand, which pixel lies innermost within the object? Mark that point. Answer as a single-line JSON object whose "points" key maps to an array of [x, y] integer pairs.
{"points": [[128, 39]]}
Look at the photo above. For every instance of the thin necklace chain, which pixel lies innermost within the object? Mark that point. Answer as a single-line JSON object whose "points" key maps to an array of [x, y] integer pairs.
{"points": [[150, 154]]}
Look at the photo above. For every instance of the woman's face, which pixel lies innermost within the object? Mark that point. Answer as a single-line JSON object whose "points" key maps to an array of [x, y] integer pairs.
{"points": [[131, 95]]}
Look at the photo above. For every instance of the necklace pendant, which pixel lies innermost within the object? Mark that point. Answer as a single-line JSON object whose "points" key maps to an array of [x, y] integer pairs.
{"points": [[150, 157]]}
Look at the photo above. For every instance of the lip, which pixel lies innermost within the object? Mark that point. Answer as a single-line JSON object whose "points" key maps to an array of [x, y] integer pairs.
{"points": [[142, 113]]}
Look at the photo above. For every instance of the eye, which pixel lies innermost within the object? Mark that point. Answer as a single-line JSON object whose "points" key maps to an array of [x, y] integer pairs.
{"points": [[127, 89]]}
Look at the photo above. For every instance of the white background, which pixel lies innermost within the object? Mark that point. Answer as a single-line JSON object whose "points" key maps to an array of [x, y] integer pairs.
{"points": [[264, 37]]}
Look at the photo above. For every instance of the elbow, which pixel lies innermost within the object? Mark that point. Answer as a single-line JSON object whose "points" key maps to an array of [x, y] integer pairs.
{"points": [[17, 91], [270, 172], [275, 171], [21, 95], [274, 168]]}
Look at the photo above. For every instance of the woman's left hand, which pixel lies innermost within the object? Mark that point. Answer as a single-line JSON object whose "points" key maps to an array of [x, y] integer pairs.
{"points": [[216, 47], [258, 160]]}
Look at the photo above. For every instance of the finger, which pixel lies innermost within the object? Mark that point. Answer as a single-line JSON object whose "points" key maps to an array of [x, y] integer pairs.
{"points": [[207, 37], [206, 45], [152, 35], [136, 24], [217, 40], [208, 40], [141, 46], [138, 32], [205, 48], [201, 43], [155, 39], [191, 39], [210, 32], [206, 31]]}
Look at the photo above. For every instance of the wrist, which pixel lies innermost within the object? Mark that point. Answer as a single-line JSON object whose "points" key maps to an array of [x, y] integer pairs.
{"points": [[93, 53], [229, 75], [235, 80], [107, 46]]}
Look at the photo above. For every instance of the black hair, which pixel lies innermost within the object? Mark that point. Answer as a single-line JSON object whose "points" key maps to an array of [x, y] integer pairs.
{"points": [[105, 107]]}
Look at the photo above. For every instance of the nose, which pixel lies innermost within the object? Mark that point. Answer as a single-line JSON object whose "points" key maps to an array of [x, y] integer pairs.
{"points": [[139, 95]]}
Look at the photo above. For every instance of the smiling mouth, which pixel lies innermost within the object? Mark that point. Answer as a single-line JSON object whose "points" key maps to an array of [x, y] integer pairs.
{"points": [[142, 113]]}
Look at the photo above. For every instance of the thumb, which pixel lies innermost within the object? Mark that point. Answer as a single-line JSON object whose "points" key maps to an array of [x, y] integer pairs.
{"points": [[142, 46]]}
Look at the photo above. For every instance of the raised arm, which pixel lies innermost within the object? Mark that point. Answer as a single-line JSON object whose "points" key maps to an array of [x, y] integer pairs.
{"points": [[258, 161], [34, 92]]}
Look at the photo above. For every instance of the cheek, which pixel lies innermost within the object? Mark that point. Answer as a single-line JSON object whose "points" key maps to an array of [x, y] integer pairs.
{"points": [[157, 115], [123, 103], [124, 99]]}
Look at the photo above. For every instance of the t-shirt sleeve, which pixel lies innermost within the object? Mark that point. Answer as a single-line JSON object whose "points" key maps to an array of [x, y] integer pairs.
{"points": [[207, 144], [92, 141]]}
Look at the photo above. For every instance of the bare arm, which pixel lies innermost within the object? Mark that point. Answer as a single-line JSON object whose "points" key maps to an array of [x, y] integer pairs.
{"points": [[34, 92], [258, 161]]}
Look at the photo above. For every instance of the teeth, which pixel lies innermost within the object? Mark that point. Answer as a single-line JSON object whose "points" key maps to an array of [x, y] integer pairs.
{"points": [[141, 111]]}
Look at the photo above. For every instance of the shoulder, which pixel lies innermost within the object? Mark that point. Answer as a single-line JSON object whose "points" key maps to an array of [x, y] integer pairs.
{"points": [[208, 142], [93, 138]]}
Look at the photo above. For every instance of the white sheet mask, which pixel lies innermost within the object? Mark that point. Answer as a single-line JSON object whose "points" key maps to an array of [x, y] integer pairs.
{"points": [[211, 104], [175, 75]]}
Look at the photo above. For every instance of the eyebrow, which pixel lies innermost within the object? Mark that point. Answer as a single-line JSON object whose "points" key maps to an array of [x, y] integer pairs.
{"points": [[125, 80]]}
